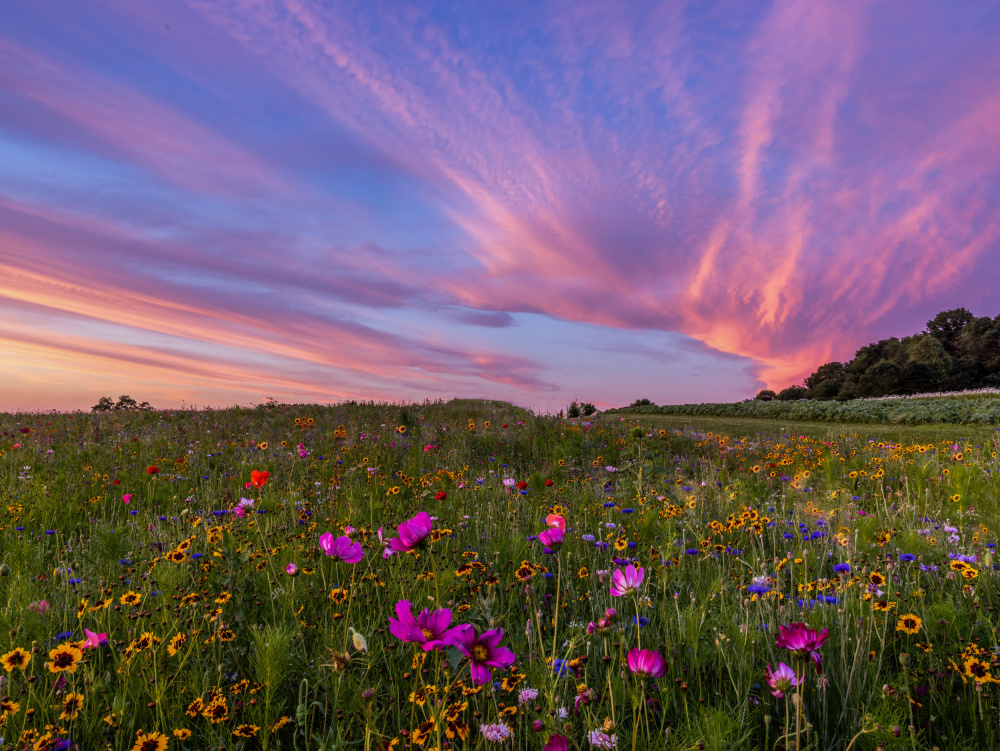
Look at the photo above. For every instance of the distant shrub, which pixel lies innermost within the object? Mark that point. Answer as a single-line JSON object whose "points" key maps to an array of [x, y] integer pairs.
{"points": [[587, 409], [793, 393], [765, 395], [573, 410]]}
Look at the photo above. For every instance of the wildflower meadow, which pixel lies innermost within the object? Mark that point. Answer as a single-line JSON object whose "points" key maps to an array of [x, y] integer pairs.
{"points": [[469, 575]]}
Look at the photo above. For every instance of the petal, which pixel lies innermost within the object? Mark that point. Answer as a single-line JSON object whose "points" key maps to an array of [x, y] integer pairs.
{"points": [[480, 673], [501, 658], [405, 612], [464, 638]]}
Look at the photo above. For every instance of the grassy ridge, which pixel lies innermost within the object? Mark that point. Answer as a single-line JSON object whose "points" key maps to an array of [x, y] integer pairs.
{"points": [[969, 411]]}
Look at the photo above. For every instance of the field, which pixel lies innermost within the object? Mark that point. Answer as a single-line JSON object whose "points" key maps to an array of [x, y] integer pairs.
{"points": [[266, 578]]}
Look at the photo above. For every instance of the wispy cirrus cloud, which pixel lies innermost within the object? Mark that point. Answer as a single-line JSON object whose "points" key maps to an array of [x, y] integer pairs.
{"points": [[401, 187]]}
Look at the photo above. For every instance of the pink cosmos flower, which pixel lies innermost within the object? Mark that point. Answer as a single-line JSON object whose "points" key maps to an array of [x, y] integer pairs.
{"points": [[603, 624], [781, 680], [484, 651], [552, 539], [39, 606], [429, 629], [342, 548], [412, 533], [127, 497], [556, 742], [646, 662], [94, 640], [387, 550], [291, 569], [803, 642], [626, 580]]}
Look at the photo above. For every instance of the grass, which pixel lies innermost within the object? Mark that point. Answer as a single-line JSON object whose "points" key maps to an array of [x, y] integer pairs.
{"points": [[220, 621]]}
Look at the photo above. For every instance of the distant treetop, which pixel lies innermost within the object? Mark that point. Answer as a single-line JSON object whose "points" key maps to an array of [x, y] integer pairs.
{"points": [[125, 403]]}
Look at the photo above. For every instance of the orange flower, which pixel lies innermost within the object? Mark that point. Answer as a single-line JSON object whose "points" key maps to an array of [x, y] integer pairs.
{"points": [[259, 479]]}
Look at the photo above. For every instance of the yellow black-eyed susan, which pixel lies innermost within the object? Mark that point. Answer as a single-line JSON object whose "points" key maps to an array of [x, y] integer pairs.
{"points": [[175, 644], [217, 711], [151, 741], [132, 599], [71, 706], [339, 595], [182, 734], [64, 658], [246, 731], [909, 624], [978, 669], [16, 659], [280, 723]]}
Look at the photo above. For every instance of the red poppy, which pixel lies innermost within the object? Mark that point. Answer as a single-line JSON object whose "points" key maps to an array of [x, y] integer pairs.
{"points": [[117, 481], [259, 479], [522, 485], [152, 469], [549, 483], [440, 495]]}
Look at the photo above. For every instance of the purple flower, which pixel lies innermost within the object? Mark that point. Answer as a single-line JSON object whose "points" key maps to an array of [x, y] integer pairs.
{"points": [[484, 651], [428, 629], [342, 548], [412, 533], [781, 680], [646, 662], [803, 642], [626, 580]]}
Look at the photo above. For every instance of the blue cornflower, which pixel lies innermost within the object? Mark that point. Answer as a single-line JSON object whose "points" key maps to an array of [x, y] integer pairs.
{"points": [[842, 568], [907, 557], [693, 551]]}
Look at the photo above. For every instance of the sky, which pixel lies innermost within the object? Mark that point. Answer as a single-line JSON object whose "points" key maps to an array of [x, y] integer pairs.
{"points": [[212, 202]]}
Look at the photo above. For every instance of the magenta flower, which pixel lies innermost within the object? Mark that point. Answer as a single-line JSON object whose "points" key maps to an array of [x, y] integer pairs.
{"points": [[603, 624], [94, 640], [484, 651], [552, 539], [342, 548], [626, 580], [412, 533], [781, 680], [802, 641], [646, 662], [556, 742], [428, 629], [292, 570]]}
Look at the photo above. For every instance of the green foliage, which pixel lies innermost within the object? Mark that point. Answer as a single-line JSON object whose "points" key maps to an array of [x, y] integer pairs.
{"points": [[982, 410]]}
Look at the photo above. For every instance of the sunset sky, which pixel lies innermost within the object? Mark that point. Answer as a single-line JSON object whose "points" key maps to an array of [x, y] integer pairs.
{"points": [[219, 201]]}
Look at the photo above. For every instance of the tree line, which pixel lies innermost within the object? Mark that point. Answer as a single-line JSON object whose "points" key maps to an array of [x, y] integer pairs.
{"points": [[956, 351]]}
